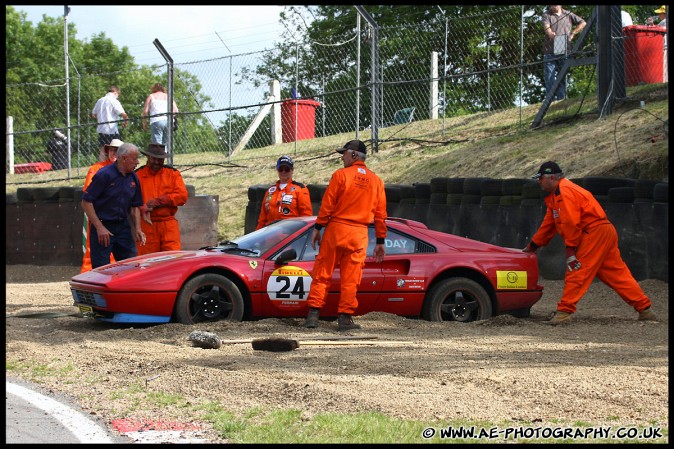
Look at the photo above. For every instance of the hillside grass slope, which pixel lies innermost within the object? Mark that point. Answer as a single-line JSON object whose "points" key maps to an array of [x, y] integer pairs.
{"points": [[632, 142]]}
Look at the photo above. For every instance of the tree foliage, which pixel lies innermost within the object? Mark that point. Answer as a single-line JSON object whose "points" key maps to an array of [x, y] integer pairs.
{"points": [[36, 80]]}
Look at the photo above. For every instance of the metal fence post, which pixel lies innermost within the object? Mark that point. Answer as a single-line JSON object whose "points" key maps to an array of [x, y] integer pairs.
{"points": [[169, 103]]}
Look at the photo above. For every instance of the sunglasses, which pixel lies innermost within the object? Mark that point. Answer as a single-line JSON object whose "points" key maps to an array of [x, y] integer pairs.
{"points": [[284, 169]]}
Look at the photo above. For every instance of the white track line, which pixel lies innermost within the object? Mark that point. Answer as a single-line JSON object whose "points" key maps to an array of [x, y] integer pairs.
{"points": [[84, 429]]}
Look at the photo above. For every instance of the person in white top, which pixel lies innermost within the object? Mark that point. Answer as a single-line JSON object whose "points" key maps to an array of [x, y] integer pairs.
{"points": [[156, 108], [107, 112], [626, 18]]}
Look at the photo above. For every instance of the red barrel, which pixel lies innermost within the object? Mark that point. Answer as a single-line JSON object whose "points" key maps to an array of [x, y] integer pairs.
{"points": [[644, 54], [298, 119]]}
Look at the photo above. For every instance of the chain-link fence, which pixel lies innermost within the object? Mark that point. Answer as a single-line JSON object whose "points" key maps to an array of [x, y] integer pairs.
{"points": [[370, 84]]}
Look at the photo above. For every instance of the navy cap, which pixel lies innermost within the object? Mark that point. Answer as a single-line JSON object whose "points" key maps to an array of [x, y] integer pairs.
{"points": [[353, 145], [284, 160], [547, 168]]}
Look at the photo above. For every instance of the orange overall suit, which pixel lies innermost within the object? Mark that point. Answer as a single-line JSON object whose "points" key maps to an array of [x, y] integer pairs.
{"points": [[86, 259], [168, 190], [354, 197], [291, 201], [580, 220]]}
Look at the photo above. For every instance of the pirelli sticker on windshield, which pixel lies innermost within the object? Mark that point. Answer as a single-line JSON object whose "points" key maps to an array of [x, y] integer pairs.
{"points": [[511, 280]]}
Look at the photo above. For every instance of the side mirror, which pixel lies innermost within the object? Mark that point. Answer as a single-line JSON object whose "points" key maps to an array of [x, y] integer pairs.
{"points": [[286, 256]]}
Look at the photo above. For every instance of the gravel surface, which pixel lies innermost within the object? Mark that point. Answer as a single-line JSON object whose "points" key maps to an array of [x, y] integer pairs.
{"points": [[604, 368]]}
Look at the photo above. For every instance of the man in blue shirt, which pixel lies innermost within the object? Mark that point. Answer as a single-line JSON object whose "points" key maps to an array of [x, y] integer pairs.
{"points": [[113, 194]]}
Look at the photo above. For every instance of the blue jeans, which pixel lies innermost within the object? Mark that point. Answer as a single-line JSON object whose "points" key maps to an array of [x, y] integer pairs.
{"points": [[552, 65], [159, 132]]}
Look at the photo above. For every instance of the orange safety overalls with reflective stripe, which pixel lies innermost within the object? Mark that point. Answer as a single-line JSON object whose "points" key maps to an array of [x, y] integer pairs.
{"points": [[579, 219], [86, 259], [293, 200], [354, 198], [168, 187]]}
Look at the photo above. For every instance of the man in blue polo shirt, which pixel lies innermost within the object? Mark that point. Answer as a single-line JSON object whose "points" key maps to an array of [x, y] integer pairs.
{"points": [[113, 194]]}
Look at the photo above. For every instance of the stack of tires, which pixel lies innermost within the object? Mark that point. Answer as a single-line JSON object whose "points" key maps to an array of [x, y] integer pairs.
{"points": [[422, 201], [509, 232], [437, 217], [256, 196], [316, 192], [470, 220]]}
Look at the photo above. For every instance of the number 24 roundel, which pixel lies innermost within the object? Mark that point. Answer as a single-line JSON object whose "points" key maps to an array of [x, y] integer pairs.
{"points": [[289, 283]]}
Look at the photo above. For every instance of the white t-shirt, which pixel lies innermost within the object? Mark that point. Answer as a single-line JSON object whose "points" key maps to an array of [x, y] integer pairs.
{"points": [[108, 108], [626, 18], [158, 105]]}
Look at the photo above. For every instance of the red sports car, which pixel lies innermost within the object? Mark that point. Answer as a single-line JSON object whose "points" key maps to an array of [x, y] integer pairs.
{"points": [[267, 273]]}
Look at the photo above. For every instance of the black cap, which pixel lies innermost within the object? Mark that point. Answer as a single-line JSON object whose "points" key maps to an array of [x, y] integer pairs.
{"points": [[353, 145], [547, 168], [284, 160]]}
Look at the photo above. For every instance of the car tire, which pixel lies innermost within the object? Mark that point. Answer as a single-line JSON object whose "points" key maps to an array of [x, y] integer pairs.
{"points": [[220, 298], [457, 299]]}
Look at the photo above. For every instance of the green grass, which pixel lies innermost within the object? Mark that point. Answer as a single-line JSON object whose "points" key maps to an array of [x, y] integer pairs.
{"points": [[292, 427], [260, 426]]}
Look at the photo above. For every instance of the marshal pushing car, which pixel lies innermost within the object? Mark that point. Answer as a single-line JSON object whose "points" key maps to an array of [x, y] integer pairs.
{"points": [[267, 273]]}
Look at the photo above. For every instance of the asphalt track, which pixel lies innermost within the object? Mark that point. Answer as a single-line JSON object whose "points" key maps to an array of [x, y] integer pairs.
{"points": [[33, 417]]}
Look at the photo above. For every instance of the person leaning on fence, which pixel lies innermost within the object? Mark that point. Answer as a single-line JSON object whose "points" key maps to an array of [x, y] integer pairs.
{"points": [[591, 244], [558, 25], [57, 147], [355, 196], [163, 191], [113, 194], [625, 18], [156, 108], [286, 198], [111, 153], [107, 112]]}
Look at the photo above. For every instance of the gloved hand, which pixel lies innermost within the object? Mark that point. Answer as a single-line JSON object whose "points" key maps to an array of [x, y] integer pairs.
{"points": [[572, 263], [530, 248]]}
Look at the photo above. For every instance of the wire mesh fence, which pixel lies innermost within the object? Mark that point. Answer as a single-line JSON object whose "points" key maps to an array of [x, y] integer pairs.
{"points": [[370, 83]]}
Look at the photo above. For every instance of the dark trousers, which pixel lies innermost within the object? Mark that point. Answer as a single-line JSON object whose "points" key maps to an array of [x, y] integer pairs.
{"points": [[122, 243]]}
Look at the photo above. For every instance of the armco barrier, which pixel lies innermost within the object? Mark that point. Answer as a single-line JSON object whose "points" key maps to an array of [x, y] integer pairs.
{"points": [[642, 226]]}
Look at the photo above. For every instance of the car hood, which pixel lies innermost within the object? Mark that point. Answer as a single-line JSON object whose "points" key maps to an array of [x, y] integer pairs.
{"points": [[166, 269]]}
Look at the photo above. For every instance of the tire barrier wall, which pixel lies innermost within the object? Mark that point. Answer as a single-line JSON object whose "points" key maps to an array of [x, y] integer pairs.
{"points": [[507, 212], [43, 226]]}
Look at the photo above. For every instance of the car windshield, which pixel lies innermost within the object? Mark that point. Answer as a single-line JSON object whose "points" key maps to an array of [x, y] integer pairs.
{"points": [[265, 238]]}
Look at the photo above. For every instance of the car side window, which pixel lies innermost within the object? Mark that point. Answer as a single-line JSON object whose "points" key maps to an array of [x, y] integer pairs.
{"points": [[302, 246], [395, 243], [310, 253]]}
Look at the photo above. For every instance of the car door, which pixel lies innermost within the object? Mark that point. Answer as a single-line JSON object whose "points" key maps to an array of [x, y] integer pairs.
{"points": [[288, 286]]}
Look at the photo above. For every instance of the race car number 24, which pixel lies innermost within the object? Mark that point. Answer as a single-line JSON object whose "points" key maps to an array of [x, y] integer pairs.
{"points": [[289, 283]]}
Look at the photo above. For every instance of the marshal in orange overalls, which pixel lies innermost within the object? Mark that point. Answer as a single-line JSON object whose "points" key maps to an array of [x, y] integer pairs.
{"points": [[580, 220], [354, 198], [291, 201], [164, 190]]}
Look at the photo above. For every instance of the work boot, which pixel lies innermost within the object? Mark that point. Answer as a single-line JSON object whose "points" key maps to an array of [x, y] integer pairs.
{"points": [[560, 318], [312, 318], [647, 315], [345, 322]]}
